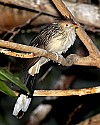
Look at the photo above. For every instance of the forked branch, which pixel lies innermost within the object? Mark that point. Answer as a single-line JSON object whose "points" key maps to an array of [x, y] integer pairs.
{"points": [[32, 52], [93, 51]]}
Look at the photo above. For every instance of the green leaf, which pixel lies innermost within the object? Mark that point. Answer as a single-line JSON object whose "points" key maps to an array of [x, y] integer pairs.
{"points": [[2, 78], [15, 80], [5, 89]]}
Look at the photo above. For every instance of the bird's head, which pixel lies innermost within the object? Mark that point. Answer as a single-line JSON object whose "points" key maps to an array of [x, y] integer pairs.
{"points": [[68, 25]]}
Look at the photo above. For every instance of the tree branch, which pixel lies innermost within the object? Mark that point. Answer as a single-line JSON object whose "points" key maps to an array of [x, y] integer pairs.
{"points": [[92, 60], [15, 54], [72, 59], [90, 17], [26, 5], [79, 92], [80, 32]]}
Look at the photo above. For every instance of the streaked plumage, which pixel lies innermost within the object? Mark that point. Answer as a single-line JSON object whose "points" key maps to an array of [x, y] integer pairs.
{"points": [[56, 37]]}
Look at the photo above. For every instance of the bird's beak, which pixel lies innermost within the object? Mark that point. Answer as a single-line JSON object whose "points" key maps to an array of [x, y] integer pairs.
{"points": [[75, 25]]}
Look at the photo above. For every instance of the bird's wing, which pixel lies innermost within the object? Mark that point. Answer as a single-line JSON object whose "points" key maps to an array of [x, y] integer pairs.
{"points": [[41, 41], [28, 63]]}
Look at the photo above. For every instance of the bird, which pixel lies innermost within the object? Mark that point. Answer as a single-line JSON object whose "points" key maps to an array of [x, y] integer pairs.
{"points": [[56, 37]]}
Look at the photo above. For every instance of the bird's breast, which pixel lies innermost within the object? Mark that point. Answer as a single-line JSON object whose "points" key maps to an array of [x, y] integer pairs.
{"points": [[61, 43]]}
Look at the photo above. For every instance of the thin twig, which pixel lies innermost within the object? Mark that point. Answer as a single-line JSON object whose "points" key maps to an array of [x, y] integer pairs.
{"points": [[17, 29], [45, 74], [15, 54], [73, 114]]}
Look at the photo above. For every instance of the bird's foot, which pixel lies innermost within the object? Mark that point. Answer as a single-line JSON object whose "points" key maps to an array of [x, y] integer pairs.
{"points": [[58, 55]]}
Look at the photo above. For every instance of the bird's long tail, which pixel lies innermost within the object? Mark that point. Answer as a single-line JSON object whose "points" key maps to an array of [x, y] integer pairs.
{"points": [[24, 99]]}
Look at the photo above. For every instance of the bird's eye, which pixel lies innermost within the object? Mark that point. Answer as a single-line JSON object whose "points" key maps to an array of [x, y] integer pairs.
{"points": [[66, 24]]}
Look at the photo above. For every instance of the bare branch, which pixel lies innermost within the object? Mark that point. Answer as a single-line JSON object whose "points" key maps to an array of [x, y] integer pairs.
{"points": [[92, 60], [90, 17], [79, 92], [72, 59], [80, 32], [37, 52], [15, 54], [27, 5]]}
